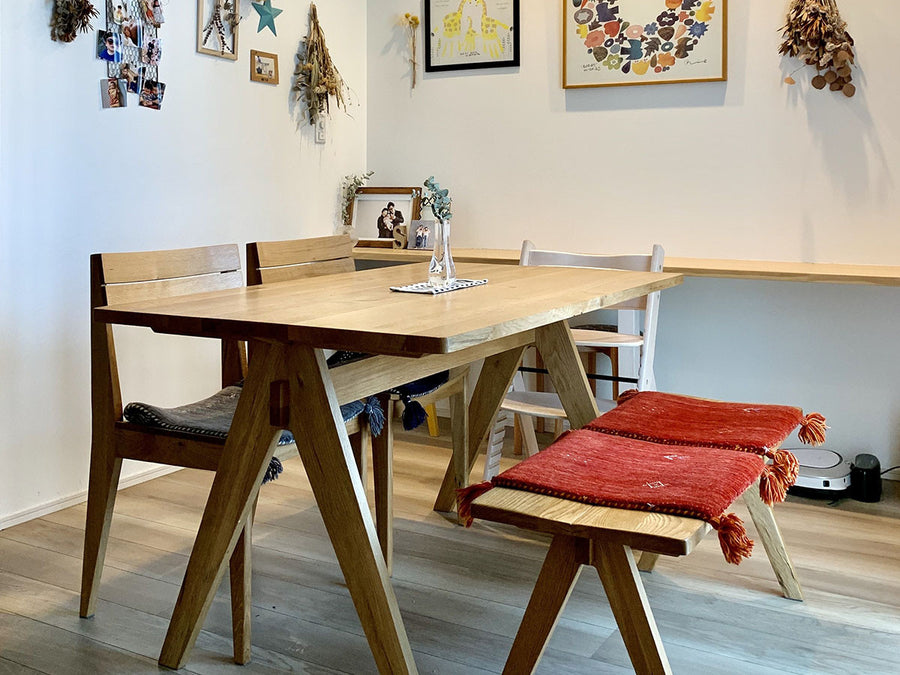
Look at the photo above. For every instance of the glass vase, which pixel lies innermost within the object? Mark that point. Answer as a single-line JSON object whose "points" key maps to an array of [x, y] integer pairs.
{"points": [[441, 270]]}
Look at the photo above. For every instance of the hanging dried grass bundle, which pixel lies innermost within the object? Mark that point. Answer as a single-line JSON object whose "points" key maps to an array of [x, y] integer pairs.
{"points": [[816, 34], [411, 23], [316, 76], [71, 17]]}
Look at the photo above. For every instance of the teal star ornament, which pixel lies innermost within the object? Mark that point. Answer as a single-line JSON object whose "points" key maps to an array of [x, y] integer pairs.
{"points": [[267, 15]]}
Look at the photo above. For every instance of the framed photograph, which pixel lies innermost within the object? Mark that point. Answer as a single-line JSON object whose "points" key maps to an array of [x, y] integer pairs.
{"points": [[263, 67], [384, 214], [217, 29], [618, 43], [463, 34], [420, 235]]}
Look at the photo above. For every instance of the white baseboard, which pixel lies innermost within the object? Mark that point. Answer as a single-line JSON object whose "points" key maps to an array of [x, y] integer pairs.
{"points": [[65, 502]]}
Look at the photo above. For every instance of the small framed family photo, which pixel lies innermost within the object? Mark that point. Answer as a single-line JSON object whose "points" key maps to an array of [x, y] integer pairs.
{"points": [[471, 34], [385, 213], [263, 67], [421, 235]]}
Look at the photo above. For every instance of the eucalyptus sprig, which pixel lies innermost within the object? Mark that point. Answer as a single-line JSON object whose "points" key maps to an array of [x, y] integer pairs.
{"points": [[349, 185], [438, 199]]}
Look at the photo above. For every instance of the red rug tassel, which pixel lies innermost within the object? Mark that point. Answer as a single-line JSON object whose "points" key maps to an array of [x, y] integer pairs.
{"points": [[733, 538], [812, 429], [464, 498], [778, 476], [625, 395]]}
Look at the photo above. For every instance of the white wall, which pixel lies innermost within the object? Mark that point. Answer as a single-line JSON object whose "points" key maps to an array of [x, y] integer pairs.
{"points": [[222, 162], [749, 168]]}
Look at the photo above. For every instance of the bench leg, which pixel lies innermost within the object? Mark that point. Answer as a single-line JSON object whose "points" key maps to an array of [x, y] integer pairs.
{"points": [[768, 531], [625, 592], [647, 561], [554, 585]]}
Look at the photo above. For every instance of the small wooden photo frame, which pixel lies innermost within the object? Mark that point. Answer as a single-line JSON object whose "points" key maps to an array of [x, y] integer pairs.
{"points": [[374, 220], [263, 67]]}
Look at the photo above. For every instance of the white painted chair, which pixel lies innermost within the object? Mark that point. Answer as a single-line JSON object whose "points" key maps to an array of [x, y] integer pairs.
{"points": [[526, 404]]}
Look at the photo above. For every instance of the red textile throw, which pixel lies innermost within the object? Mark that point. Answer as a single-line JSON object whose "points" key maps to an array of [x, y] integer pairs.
{"points": [[673, 419], [604, 470]]}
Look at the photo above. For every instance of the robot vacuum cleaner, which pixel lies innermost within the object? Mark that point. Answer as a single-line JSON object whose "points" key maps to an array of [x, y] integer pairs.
{"points": [[823, 473]]}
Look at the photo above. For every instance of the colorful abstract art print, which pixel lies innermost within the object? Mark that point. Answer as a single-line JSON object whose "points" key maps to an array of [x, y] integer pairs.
{"points": [[464, 34], [609, 43]]}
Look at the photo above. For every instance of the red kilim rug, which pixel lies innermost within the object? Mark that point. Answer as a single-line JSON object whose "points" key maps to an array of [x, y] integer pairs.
{"points": [[604, 470], [672, 419]]}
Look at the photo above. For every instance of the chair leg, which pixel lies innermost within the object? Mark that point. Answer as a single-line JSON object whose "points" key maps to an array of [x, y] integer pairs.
{"points": [[495, 445], [434, 429], [529, 438], [103, 483], [459, 432], [359, 443], [614, 370], [626, 596], [239, 573], [383, 471], [764, 520], [554, 585]]}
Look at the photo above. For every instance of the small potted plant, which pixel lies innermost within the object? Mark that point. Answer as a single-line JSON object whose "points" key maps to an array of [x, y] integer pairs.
{"points": [[441, 270]]}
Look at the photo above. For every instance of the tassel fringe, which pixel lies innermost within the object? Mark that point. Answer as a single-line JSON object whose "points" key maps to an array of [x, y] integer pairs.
{"points": [[273, 470], [778, 476], [625, 395], [812, 429], [733, 539], [413, 414], [464, 498], [375, 415]]}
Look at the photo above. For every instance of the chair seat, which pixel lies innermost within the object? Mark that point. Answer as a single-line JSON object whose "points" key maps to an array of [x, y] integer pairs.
{"points": [[543, 404], [212, 418], [597, 338]]}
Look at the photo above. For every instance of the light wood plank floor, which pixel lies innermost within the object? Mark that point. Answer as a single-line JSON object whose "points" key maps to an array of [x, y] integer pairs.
{"points": [[462, 592]]}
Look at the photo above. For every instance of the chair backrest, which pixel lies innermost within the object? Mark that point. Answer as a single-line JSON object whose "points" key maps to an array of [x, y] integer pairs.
{"points": [[649, 304], [271, 261], [132, 277]]}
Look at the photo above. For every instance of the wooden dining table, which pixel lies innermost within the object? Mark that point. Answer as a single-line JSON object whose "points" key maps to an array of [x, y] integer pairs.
{"points": [[289, 386]]}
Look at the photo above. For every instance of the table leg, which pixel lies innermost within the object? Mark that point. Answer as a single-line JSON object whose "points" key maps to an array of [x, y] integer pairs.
{"points": [[250, 445], [557, 348], [328, 459], [496, 377]]}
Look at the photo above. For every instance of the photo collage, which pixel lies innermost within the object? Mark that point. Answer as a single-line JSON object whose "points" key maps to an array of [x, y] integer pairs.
{"points": [[132, 50]]}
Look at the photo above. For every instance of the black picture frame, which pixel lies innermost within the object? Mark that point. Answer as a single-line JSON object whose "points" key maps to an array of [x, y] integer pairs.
{"points": [[436, 42]]}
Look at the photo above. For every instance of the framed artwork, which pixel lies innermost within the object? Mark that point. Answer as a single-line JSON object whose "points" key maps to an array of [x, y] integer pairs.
{"points": [[263, 67], [217, 28], [614, 43], [463, 34], [384, 213]]}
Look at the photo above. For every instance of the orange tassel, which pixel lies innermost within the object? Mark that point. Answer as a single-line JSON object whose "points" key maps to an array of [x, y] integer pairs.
{"points": [[464, 498], [625, 395], [778, 476], [733, 538], [812, 429]]}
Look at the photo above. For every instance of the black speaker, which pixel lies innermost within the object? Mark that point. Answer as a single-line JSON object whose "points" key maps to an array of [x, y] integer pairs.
{"points": [[865, 478]]}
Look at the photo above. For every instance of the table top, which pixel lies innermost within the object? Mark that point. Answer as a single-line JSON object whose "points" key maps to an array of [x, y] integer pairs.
{"points": [[880, 275], [358, 311]]}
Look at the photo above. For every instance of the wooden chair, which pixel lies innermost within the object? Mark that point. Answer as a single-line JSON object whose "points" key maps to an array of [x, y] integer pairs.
{"points": [[127, 277], [524, 403], [272, 261]]}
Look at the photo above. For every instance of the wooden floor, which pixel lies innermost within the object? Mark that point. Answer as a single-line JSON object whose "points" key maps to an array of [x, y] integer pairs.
{"points": [[462, 592]]}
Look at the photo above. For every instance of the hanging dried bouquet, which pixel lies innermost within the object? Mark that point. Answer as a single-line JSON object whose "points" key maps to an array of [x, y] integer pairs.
{"points": [[316, 76], [816, 34], [71, 17]]}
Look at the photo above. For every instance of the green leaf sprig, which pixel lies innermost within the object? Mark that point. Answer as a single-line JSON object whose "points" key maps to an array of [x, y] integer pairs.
{"points": [[438, 199]]}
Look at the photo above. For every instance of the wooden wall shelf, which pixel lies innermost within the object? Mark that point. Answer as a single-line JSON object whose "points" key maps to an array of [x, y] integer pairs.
{"points": [[879, 275]]}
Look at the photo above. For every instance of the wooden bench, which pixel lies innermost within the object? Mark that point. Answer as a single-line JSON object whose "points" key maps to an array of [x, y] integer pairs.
{"points": [[603, 538]]}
